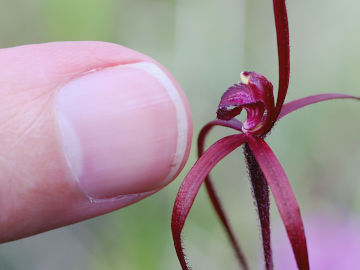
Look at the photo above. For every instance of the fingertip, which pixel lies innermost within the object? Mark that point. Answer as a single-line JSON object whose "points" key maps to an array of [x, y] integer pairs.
{"points": [[87, 125]]}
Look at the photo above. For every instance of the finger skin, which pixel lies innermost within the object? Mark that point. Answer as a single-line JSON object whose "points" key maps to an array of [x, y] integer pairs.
{"points": [[38, 191]]}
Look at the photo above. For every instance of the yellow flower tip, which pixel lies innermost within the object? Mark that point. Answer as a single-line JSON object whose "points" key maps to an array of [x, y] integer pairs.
{"points": [[244, 77]]}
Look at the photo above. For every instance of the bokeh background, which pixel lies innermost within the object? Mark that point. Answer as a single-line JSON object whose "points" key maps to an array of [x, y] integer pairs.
{"points": [[205, 44]]}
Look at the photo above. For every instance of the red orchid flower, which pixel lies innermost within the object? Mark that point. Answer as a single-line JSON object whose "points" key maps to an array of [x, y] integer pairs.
{"points": [[254, 94]]}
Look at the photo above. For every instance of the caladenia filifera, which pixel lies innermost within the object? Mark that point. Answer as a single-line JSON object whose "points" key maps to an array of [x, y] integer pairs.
{"points": [[254, 93]]}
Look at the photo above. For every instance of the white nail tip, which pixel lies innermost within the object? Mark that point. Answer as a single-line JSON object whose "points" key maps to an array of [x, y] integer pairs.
{"points": [[181, 117]]}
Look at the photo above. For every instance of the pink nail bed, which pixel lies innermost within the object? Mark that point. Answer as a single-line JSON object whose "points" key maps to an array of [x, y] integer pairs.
{"points": [[124, 129]]}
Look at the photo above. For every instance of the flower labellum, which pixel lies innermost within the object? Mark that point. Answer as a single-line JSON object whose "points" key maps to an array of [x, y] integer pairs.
{"points": [[254, 94]]}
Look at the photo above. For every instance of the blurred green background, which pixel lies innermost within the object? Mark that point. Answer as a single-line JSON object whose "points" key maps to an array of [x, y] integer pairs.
{"points": [[205, 44]]}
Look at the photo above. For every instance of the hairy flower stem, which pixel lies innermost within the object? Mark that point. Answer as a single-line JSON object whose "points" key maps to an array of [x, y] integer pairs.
{"points": [[260, 190]]}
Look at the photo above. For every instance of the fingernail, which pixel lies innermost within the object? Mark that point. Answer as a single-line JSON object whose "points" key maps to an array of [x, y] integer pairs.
{"points": [[123, 129]]}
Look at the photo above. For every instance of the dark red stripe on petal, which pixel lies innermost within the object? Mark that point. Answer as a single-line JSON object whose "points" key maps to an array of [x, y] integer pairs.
{"points": [[191, 184], [284, 198], [211, 190], [303, 102], [282, 34]]}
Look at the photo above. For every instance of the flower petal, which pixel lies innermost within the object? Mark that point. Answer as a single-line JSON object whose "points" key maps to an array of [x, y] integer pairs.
{"points": [[233, 123], [284, 198], [282, 34], [192, 182], [254, 94], [302, 102]]}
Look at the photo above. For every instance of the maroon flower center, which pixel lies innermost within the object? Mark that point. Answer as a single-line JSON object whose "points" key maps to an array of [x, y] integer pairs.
{"points": [[254, 94]]}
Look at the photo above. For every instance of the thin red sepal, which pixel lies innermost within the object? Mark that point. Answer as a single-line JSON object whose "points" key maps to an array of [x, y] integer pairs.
{"points": [[284, 198], [214, 198], [282, 34], [233, 123], [191, 184], [303, 102]]}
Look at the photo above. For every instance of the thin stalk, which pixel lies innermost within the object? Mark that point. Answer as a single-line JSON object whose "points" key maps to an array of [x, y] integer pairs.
{"points": [[260, 191]]}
